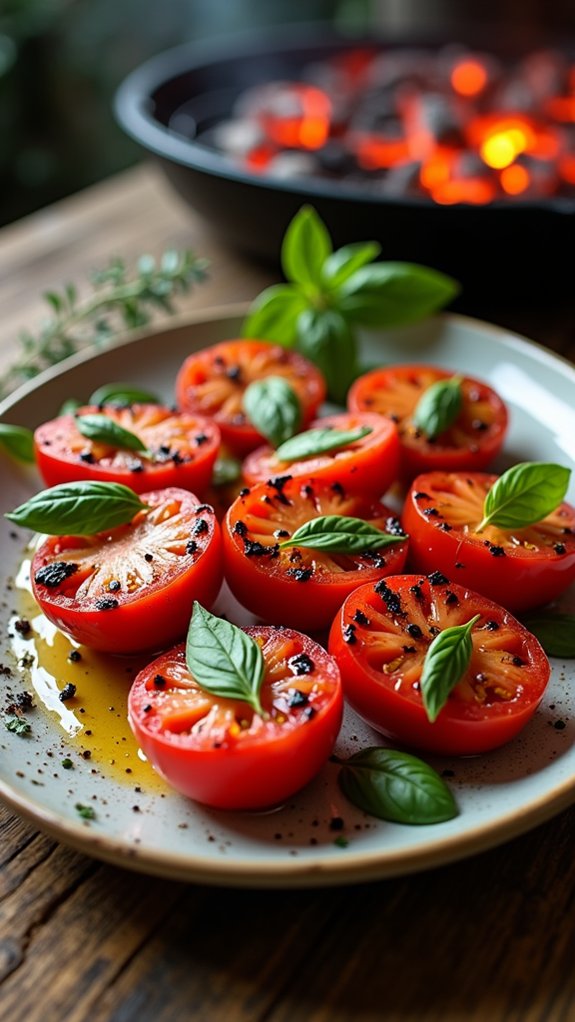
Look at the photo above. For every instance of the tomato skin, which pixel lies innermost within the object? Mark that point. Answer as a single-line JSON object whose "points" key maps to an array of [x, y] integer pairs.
{"points": [[520, 570], [299, 587], [258, 767], [385, 692], [212, 381], [63, 455], [370, 465], [472, 442], [157, 613]]}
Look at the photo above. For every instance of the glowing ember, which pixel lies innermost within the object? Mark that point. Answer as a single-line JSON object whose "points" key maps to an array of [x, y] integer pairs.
{"points": [[451, 125]]}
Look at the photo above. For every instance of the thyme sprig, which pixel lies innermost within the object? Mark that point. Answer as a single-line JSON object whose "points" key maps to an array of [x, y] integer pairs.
{"points": [[120, 302]]}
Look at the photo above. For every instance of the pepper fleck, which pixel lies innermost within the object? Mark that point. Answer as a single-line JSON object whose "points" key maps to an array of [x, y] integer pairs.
{"points": [[414, 630], [360, 617], [52, 575], [301, 663], [108, 603], [349, 635], [437, 578], [68, 692]]}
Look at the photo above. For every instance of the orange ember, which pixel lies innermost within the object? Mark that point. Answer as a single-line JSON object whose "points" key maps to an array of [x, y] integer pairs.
{"points": [[469, 77], [308, 128], [514, 179]]}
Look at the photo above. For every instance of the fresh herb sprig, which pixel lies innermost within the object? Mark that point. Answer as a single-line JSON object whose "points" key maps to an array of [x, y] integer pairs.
{"points": [[329, 294], [525, 494], [120, 302]]}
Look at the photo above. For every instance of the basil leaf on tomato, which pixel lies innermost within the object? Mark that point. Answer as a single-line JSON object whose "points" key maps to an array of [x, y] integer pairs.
{"points": [[396, 786], [122, 394], [79, 508], [438, 407], [445, 663], [340, 534], [223, 659], [18, 441], [274, 408], [104, 430], [525, 494], [319, 441], [555, 632]]}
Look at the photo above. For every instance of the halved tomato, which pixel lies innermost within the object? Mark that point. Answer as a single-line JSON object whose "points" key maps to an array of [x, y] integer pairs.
{"points": [[521, 569], [182, 449], [299, 586], [220, 751], [380, 637], [212, 382], [369, 465], [472, 442], [132, 588]]}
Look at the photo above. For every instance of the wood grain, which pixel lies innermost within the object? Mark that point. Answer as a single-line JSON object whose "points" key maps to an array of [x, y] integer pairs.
{"points": [[490, 939]]}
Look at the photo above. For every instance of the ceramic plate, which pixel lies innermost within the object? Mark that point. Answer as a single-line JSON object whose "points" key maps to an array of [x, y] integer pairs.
{"points": [[317, 838]]}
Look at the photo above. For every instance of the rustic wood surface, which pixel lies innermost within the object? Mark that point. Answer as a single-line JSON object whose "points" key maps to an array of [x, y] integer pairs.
{"points": [[490, 939]]}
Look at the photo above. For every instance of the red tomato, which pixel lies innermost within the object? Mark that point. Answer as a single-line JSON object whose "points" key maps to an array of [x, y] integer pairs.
{"points": [[520, 569], [299, 586], [184, 449], [219, 751], [132, 588], [380, 637], [472, 442], [212, 382], [369, 465]]}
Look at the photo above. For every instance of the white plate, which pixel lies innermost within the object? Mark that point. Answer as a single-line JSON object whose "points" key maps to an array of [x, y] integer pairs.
{"points": [[499, 795]]}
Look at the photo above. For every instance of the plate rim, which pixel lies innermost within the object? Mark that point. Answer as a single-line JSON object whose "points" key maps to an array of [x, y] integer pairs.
{"points": [[352, 867]]}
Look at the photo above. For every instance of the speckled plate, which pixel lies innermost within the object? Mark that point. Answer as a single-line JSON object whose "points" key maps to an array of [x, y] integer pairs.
{"points": [[140, 823]]}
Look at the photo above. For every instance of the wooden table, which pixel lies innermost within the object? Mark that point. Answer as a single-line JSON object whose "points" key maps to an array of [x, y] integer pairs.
{"points": [[490, 939]]}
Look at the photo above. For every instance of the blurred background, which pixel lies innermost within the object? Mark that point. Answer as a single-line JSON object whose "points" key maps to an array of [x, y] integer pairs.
{"points": [[61, 61]]}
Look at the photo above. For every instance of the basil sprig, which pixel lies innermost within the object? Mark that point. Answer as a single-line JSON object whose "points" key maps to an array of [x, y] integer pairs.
{"points": [[79, 508], [18, 441], [330, 294], [122, 394], [438, 407], [319, 441], [223, 659], [104, 430], [525, 494], [340, 534], [446, 661], [274, 408], [555, 631], [396, 786]]}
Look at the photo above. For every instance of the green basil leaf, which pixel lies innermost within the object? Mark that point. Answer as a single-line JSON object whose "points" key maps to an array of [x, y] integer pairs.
{"points": [[525, 494], [319, 441], [223, 659], [104, 430], [391, 294], [340, 266], [438, 407], [305, 248], [273, 315], [273, 407], [326, 338], [69, 406], [556, 633], [446, 661], [122, 394], [80, 508], [341, 535], [18, 441], [226, 470], [396, 786]]}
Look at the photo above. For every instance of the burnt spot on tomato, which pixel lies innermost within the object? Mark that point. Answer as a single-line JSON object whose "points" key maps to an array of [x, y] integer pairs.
{"points": [[201, 438], [458, 564], [240, 528], [202, 508], [106, 603], [87, 457], [409, 649], [360, 617], [148, 557], [390, 598], [517, 661], [301, 663], [234, 373], [437, 578], [307, 490], [393, 526], [244, 491], [135, 465], [375, 558], [308, 713], [349, 635], [191, 546], [159, 681], [431, 512], [277, 484], [414, 630], [253, 548], [445, 526], [416, 590], [338, 488], [297, 698], [200, 527], [559, 548], [300, 574], [114, 585], [494, 550], [295, 555], [451, 599], [421, 496], [52, 575], [479, 425], [434, 630], [281, 533], [492, 626]]}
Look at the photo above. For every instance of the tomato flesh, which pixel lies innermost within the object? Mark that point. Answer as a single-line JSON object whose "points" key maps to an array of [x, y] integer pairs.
{"points": [[183, 449], [521, 569], [299, 586], [220, 751], [369, 465], [132, 588], [380, 637], [212, 382], [471, 442]]}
